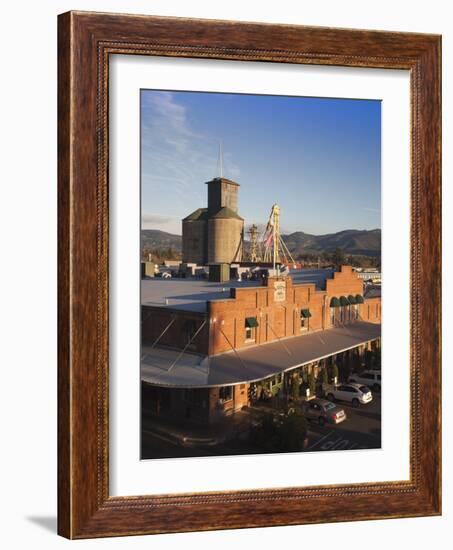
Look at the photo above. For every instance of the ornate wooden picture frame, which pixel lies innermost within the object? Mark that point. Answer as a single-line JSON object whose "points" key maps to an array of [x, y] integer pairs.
{"points": [[85, 507]]}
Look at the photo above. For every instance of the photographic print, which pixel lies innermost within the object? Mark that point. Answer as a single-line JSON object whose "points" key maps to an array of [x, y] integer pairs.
{"points": [[260, 274], [220, 207]]}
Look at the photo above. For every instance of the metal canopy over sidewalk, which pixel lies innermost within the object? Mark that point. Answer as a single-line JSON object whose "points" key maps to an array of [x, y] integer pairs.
{"points": [[158, 365]]}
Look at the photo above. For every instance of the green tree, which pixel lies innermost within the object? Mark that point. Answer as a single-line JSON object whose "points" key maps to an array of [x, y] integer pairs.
{"points": [[368, 358], [355, 361], [334, 372], [324, 377], [312, 383], [377, 358], [345, 370], [292, 432], [339, 257], [265, 436], [294, 388], [280, 434], [326, 257]]}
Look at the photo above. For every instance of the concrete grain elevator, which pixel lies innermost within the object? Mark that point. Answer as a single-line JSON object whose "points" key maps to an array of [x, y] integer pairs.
{"points": [[214, 235]]}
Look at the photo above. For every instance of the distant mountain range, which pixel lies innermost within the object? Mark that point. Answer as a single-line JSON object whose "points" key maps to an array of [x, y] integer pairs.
{"points": [[154, 238], [351, 241]]}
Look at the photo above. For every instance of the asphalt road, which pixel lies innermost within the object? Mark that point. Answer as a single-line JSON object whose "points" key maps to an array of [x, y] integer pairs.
{"points": [[361, 429]]}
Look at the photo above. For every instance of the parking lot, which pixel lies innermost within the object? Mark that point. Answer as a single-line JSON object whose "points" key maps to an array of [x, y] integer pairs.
{"points": [[361, 429]]}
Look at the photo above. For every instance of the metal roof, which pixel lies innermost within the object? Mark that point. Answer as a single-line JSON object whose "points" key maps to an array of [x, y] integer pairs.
{"points": [[227, 213], [192, 294], [189, 294], [221, 178], [374, 292], [318, 277], [165, 367], [198, 214]]}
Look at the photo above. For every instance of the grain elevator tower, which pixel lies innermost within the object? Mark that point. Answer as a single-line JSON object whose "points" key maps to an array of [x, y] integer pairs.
{"points": [[214, 235]]}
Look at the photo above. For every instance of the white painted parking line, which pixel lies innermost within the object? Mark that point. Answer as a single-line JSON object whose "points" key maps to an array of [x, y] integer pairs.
{"points": [[318, 442], [334, 442]]}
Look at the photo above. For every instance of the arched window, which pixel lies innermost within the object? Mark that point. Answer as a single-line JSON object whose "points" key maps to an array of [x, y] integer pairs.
{"points": [[305, 319], [334, 307]]}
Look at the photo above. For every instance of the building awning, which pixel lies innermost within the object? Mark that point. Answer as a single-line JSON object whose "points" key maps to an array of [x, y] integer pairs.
{"points": [[251, 322], [305, 313], [359, 299], [344, 301], [165, 367], [335, 302], [352, 299]]}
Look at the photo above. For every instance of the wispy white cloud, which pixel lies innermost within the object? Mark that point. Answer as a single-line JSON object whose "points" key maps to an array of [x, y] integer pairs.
{"points": [[156, 219], [170, 224], [373, 210], [175, 157], [167, 118]]}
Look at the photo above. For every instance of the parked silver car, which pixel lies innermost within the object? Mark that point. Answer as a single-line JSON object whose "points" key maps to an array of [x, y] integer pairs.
{"points": [[323, 411]]}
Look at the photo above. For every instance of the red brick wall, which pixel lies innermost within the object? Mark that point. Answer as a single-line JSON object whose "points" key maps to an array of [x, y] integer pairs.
{"points": [[344, 282], [218, 410], [226, 326], [241, 396], [281, 319], [371, 310]]}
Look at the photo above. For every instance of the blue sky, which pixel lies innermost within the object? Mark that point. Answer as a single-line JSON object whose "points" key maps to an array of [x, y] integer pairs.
{"points": [[318, 158]]}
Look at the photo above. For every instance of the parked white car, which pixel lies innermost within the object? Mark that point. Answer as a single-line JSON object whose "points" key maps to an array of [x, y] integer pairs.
{"points": [[353, 393], [371, 378]]}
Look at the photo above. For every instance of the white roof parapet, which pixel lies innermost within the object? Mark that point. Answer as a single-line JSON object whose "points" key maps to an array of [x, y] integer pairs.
{"points": [[192, 294]]}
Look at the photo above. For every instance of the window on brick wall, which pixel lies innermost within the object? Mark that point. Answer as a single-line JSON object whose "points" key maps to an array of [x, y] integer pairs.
{"points": [[347, 314], [250, 329], [225, 394], [332, 315], [305, 319]]}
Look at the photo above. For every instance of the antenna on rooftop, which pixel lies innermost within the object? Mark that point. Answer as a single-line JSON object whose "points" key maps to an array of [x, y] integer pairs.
{"points": [[220, 159]]}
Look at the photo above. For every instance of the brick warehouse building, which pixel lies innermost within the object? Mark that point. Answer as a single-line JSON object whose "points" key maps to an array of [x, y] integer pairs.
{"points": [[206, 346]]}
